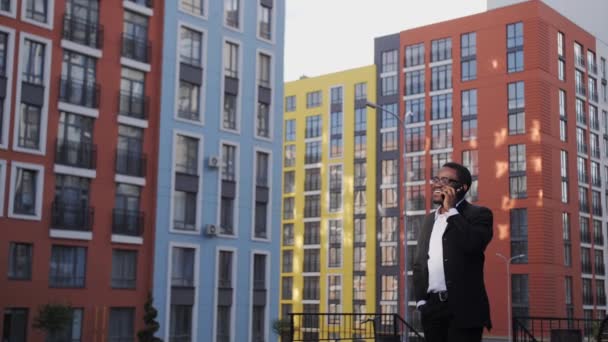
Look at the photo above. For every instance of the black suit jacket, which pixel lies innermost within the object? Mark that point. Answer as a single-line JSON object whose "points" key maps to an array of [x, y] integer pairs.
{"points": [[464, 243]]}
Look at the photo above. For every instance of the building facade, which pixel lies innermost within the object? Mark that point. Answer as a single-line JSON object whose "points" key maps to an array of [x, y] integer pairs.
{"points": [[78, 133], [218, 228], [518, 95], [328, 255]]}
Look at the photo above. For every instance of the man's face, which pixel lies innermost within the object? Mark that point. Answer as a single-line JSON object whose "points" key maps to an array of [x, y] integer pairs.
{"points": [[447, 177]]}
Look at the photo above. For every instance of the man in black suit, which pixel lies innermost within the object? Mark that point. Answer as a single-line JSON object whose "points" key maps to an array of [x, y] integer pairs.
{"points": [[448, 269]]}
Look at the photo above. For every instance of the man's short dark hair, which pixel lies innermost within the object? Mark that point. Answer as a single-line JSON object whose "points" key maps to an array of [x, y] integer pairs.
{"points": [[464, 175]]}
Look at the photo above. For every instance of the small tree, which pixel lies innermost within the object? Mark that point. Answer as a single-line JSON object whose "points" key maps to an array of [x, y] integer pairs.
{"points": [[151, 325], [282, 327], [53, 318]]}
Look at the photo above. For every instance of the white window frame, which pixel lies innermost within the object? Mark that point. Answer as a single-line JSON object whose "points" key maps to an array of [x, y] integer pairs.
{"points": [[48, 49], [203, 87], [273, 24], [10, 52], [173, 244], [13, 12], [239, 97], [3, 166], [199, 195], [237, 197], [252, 278], [241, 11], [235, 263], [49, 15], [205, 15], [272, 94], [39, 190], [270, 187]]}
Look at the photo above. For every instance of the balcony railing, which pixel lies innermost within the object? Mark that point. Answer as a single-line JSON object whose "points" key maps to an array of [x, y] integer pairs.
{"points": [[76, 154], [133, 105], [535, 329], [583, 178], [79, 93], [587, 298], [580, 61], [581, 90], [581, 118], [82, 32], [586, 267], [182, 281], [594, 96], [585, 236], [598, 239], [583, 207], [135, 48], [593, 68], [131, 163], [127, 222], [67, 216], [597, 210], [600, 269], [595, 181], [601, 299], [581, 148]]}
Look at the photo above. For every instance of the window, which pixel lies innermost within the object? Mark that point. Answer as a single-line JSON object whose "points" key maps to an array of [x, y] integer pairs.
{"points": [[336, 142], [186, 155], [360, 119], [470, 159], [517, 103], [311, 261], [264, 70], [334, 298], [389, 172], [596, 203], [190, 45], [33, 62], [287, 261], [594, 119], [312, 206], [188, 105], [180, 323], [441, 107], [288, 208], [289, 185], [414, 55], [581, 168], [194, 7], [361, 91], [26, 189], [515, 47], [135, 37], [15, 324], [389, 85], [441, 136], [560, 44], [37, 10], [232, 14], [469, 114], [290, 130], [286, 288], [184, 210], [78, 80], [311, 288], [414, 168], [389, 61], [598, 263], [265, 21], [581, 140], [259, 284], [229, 121], [8, 7], [290, 103], [228, 162], [359, 287], [390, 288], [441, 49], [416, 107], [335, 244], [520, 302], [360, 146], [262, 168], [313, 152], [414, 139], [30, 127], [360, 202], [586, 260], [312, 179], [132, 98], [441, 77], [231, 59], [360, 262], [20, 261], [124, 269], [564, 175], [360, 174], [313, 126], [67, 266], [388, 120], [290, 156], [438, 160], [312, 233], [335, 188], [225, 290], [414, 195], [414, 82], [121, 326], [71, 332], [567, 239], [389, 198], [583, 199], [313, 99], [561, 63], [468, 55], [389, 141], [519, 234], [517, 171], [579, 81], [562, 116], [288, 234]]}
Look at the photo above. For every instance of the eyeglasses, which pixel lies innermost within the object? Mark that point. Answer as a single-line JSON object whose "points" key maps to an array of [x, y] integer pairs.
{"points": [[444, 181]]}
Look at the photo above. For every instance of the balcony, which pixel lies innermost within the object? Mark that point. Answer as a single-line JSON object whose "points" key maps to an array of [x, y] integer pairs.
{"points": [[580, 61], [594, 96], [597, 210], [79, 93], [596, 182], [583, 178], [68, 216], [598, 239], [593, 68], [127, 222], [581, 117], [82, 32], [581, 90], [601, 299], [600, 269], [585, 236], [76, 154], [583, 207], [132, 105], [135, 48], [130, 163], [586, 267], [581, 148], [587, 299]]}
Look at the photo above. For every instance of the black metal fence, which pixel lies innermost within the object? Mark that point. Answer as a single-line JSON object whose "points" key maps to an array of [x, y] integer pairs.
{"points": [[349, 327], [537, 329]]}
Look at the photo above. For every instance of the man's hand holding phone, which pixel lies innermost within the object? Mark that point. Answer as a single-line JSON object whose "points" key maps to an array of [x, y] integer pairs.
{"points": [[449, 195]]}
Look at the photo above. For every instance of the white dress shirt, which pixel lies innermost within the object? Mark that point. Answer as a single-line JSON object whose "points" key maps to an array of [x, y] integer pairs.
{"points": [[435, 262]]}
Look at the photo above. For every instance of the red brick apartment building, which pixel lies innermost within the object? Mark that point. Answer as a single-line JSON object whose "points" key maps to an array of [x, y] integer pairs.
{"points": [[515, 94], [79, 99]]}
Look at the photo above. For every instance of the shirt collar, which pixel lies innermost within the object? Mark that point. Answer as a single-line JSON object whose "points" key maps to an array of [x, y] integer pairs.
{"points": [[456, 206]]}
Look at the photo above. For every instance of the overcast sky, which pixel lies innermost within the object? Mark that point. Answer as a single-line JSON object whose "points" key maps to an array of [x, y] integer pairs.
{"points": [[324, 36]]}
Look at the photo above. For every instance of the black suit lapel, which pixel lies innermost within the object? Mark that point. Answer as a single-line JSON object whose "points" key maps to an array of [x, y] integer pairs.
{"points": [[462, 209]]}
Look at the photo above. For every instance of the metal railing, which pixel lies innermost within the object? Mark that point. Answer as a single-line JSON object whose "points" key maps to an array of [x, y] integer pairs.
{"points": [[133, 105], [536, 329], [79, 93], [130, 163], [349, 327], [82, 32], [76, 154], [135, 48], [67, 216], [127, 222]]}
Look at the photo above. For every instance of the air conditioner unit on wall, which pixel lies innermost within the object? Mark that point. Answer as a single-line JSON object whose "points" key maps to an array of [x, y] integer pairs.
{"points": [[213, 162], [211, 230]]}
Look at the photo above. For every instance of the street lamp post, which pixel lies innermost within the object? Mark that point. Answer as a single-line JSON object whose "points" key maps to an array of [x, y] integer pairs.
{"points": [[508, 262], [402, 125]]}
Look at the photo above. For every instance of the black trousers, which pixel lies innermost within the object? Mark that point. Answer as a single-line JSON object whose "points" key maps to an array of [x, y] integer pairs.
{"points": [[438, 327]]}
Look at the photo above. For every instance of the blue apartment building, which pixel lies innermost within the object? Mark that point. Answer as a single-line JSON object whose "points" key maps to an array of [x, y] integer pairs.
{"points": [[219, 171]]}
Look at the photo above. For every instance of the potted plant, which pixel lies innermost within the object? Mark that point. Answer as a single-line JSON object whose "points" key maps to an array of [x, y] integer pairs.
{"points": [[151, 326], [282, 327]]}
